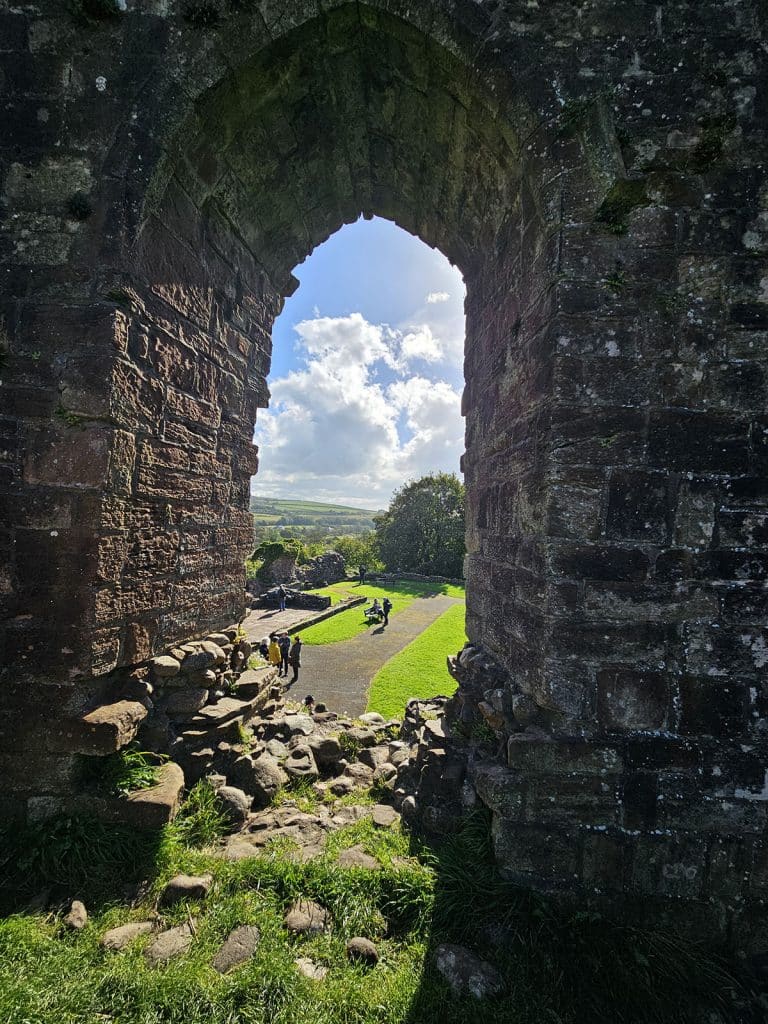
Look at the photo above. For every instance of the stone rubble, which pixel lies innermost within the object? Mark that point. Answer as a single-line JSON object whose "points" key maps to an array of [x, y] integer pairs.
{"points": [[77, 917], [240, 945]]}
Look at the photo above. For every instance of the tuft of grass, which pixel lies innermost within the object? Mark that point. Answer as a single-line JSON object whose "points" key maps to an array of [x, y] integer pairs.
{"points": [[125, 771], [419, 670], [201, 820]]}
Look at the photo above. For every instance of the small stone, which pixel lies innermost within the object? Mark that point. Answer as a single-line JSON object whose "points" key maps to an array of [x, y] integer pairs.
{"points": [[218, 638], [184, 703], [365, 737], [299, 725], [408, 808], [219, 656], [374, 756], [306, 917], [300, 763], [320, 708], [342, 786], [385, 773], [311, 970], [118, 938], [260, 777], [356, 857], [362, 951], [326, 749], [384, 816], [399, 756], [372, 718], [164, 667], [170, 943], [77, 918], [235, 803], [360, 774], [185, 887], [466, 972], [239, 946], [277, 749]]}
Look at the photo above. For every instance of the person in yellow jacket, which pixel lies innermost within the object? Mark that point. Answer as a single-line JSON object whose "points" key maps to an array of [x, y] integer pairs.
{"points": [[275, 655]]}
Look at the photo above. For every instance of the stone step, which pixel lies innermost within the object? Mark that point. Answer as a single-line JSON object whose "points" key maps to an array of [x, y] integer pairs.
{"points": [[104, 730], [145, 808], [228, 709], [255, 681]]}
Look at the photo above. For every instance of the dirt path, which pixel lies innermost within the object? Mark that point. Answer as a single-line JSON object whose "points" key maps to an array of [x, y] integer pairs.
{"points": [[339, 674]]}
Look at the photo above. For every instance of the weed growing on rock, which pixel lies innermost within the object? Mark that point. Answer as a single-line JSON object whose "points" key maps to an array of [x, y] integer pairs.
{"points": [[201, 820]]}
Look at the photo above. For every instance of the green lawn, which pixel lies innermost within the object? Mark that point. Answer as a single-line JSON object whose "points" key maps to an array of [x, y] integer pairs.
{"points": [[350, 623], [557, 966], [419, 670]]}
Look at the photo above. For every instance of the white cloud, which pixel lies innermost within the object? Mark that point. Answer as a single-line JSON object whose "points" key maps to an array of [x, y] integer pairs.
{"points": [[421, 343], [434, 297], [350, 425]]}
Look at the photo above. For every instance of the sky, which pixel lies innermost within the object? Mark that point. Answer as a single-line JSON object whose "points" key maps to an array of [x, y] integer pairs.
{"points": [[366, 374]]}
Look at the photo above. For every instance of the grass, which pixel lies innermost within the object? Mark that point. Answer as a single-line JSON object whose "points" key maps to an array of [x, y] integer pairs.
{"points": [[559, 967], [350, 623], [419, 670], [125, 771]]}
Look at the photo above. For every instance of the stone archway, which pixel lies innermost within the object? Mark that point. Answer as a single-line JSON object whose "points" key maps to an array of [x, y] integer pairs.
{"points": [[612, 240]]}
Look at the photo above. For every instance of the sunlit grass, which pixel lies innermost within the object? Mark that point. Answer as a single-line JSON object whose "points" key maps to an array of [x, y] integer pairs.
{"points": [[419, 670], [350, 623]]}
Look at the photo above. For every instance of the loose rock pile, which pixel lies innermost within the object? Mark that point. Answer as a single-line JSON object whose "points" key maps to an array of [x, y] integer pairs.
{"points": [[202, 693]]}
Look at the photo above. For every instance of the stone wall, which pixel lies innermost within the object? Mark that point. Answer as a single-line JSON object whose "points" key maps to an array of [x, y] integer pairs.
{"points": [[597, 173]]}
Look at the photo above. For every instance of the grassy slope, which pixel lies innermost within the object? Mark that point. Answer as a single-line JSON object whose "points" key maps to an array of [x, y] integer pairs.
{"points": [[349, 624], [419, 670], [557, 969]]}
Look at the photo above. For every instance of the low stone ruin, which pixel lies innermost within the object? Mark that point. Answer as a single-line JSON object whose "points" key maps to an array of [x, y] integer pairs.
{"points": [[293, 599], [330, 567]]}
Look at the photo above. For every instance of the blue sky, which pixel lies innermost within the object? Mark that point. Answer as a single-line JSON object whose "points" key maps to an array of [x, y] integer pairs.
{"points": [[366, 371]]}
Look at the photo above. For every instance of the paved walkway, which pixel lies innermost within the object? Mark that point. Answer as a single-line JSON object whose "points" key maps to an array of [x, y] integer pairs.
{"points": [[339, 674], [264, 621]]}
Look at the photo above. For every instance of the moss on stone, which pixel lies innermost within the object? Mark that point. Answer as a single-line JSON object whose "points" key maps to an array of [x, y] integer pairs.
{"points": [[624, 196], [709, 149]]}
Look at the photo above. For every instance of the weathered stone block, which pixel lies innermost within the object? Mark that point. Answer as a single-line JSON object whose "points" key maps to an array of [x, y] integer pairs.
{"points": [[102, 731], [629, 700], [537, 756]]}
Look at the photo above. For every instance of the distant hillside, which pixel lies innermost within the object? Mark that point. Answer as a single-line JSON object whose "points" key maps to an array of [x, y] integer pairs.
{"points": [[310, 516]]}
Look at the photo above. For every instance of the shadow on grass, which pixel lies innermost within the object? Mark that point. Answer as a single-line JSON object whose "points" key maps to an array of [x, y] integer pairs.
{"points": [[562, 965], [65, 858]]}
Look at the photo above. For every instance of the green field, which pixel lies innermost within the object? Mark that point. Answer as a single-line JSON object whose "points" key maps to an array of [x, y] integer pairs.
{"points": [[419, 670], [350, 623], [303, 516]]}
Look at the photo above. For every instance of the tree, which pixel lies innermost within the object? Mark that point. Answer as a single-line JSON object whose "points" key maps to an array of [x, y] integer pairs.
{"points": [[357, 550], [423, 528]]}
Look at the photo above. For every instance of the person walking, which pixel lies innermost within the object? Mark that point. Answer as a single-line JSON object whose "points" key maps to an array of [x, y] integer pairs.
{"points": [[295, 658], [275, 656], [281, 597], [284, 643], [363, 571], [386, 607]]}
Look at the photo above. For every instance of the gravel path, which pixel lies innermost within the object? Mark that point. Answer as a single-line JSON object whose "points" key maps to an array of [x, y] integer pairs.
{"points": [[339, 674]]}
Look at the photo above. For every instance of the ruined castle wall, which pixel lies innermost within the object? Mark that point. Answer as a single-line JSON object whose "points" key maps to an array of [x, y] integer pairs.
{"points": [[597, 173]]}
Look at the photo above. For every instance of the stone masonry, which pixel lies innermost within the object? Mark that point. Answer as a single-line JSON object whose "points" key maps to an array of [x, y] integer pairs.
{"points": [[597, 172]]}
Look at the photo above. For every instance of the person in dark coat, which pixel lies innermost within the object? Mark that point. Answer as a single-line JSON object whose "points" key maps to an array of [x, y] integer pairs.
{"points": [[294, 657], [281, 597], [386, 607], [284, 643]]}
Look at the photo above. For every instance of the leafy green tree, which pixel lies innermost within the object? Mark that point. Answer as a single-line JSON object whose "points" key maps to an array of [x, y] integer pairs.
{"points": [[423, 528], [357, 550]]}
